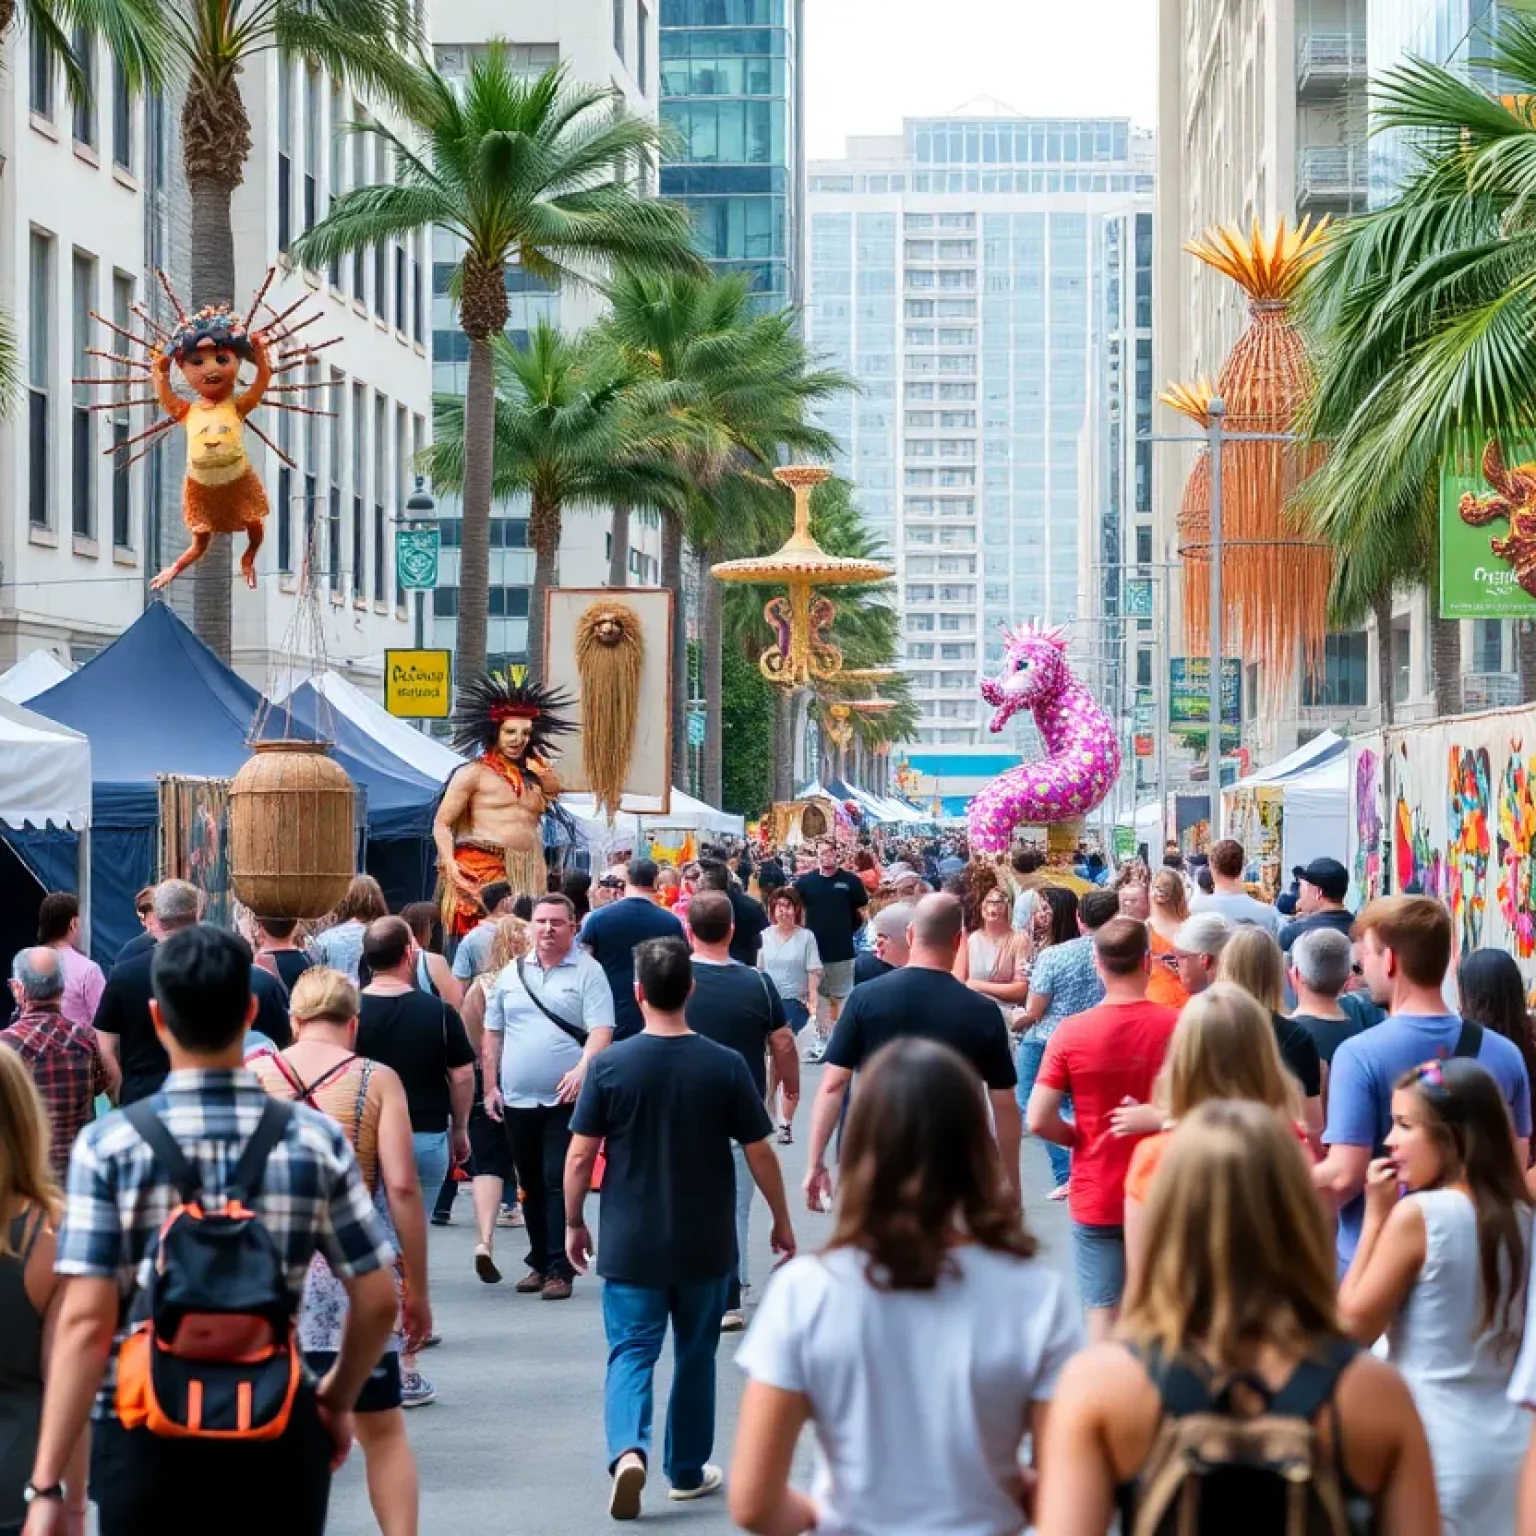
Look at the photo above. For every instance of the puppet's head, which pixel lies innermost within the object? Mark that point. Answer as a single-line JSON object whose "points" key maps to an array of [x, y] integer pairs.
{"points": [[209, 347], [519, 720], [610, 656]]}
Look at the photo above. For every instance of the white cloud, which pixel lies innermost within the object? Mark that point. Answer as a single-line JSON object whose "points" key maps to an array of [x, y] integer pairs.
{"points": [[870, 63]]}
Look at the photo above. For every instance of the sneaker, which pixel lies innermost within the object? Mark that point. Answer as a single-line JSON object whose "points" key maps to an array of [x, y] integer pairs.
{"points": [[786, 1135], [816, 1051], [733, 1321], [714, 1481], [510, 1216], [556, 1290], [628, 1484], [530, 1284], [485, 1266], [416, 1391], [441, 1219]]}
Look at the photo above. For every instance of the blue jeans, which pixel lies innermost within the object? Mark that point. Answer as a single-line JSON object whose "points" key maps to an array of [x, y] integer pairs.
{"points": [[1031, 1054], [431, 1162], [635, 1320]]}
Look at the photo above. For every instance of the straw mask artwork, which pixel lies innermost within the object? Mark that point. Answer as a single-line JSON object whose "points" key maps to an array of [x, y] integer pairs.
{"points": [[610, 656]]}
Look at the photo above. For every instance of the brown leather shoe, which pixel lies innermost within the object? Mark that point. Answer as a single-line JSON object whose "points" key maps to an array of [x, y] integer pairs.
{"points": [[531, 1282], [556, 1290]]}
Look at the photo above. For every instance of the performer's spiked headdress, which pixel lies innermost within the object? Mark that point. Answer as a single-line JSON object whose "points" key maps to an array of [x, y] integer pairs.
{"points": [[486, 703]]}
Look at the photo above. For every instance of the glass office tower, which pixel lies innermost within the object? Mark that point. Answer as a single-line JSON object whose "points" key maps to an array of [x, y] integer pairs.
{"points": [[731, 97]]}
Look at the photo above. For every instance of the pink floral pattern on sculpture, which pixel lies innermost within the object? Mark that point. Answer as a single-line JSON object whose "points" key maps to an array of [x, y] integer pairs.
{"points": [[1082, 747]]}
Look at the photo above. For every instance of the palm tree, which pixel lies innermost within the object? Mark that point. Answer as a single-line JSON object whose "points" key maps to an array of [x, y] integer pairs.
{"points": [[739, 382], [566, 433], [1424, 311], [524, 170], [131, 30]]}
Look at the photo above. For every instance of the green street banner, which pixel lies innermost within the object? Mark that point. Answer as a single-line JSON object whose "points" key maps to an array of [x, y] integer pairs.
{"points": [[1480, 574], [416, 551], [1138, 597], [1189, 700]]}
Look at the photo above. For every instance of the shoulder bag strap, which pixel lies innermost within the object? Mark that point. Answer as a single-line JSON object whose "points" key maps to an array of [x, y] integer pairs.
{"points": [[245, 1181], [173, 1161], [564, 1025], [1470, 1041]]}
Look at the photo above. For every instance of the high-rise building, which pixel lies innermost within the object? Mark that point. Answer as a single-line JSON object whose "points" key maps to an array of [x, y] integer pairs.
{"points": [[608, 43], [732, 94], [964, 272]]}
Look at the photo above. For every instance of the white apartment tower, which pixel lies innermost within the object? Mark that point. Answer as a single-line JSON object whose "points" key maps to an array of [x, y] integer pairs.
{"points": [[956, 270]]}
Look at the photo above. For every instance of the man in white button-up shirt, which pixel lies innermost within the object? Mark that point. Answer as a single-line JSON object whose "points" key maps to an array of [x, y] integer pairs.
{"points": [[547, 1016]]}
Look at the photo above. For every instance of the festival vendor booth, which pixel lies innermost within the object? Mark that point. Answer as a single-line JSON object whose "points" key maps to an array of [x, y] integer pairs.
{"points": [[1295, 810], [813, 813], [168, 724], [35, 672], [45, 818], [673, 834]]}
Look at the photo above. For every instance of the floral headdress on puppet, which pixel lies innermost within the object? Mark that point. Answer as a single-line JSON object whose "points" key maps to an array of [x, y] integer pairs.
{"points": [[486, 704], [216, 325]]}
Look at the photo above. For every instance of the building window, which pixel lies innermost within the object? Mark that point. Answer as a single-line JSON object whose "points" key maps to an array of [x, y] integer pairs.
{"points": [[381, 250], [333, 399], [41, 76], [311, 148], [618, 29], [122, 486], [402, 481], [380, 426], [83, 113], [338, 170], [1346, 671], [312, 551], [402, 318], [285, 494], [359, 481], [642, 48], [1488, 645], [39, 375], [122, 118], [1143, 546], [359, 179], [418, 297], [284, 153], [82, 480]]}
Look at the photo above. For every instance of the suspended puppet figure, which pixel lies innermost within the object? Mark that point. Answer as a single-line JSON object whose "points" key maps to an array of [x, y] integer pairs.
{"points": [[487, 825], [222, 492], [610, 656]]}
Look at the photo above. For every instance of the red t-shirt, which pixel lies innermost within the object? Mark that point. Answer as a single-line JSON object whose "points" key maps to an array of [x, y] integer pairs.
{"points": [[1102, 1057]]}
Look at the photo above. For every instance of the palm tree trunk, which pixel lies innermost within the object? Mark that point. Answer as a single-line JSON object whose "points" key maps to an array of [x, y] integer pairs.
{"points": [[672, 580], [711, 641], [213, 282], [618, 546], [1382, 609], [544, 535], [475, 530], [783, 743], [1525, 649], [1445, 660]]}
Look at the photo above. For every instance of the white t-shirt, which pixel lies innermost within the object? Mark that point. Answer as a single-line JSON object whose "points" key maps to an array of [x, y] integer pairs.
{"points": [[920, 1398]]}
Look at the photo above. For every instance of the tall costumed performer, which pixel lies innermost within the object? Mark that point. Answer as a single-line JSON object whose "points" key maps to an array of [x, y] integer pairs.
{"points": [[487, 825]]}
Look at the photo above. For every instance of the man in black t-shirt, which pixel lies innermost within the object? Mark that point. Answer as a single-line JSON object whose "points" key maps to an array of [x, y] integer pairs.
{"points": [[835, 900], [737, 1006], [924, 999], [1319, 972], [749, 920], [669, 1104]]}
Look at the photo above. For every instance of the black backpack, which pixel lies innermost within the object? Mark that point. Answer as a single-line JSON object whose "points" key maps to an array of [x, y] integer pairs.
{"points": [[214, 1353], [1234, 1456]]}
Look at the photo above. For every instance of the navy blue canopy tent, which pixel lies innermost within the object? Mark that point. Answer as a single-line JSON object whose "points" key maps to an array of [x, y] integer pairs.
{"points": [[158, 701]]}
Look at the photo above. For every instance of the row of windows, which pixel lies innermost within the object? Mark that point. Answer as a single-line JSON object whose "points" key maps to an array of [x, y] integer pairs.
{"points": [[949, 651], [1038, 141], [723, 13], [945, 623], [642, 39], [390, 277], [43, 89], [728, 132], [505, 602], [982, 181], [756, 42], [506, 532], [751, 76]]}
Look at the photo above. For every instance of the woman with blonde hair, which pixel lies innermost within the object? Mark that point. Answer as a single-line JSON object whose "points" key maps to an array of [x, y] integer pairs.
{"points": [[1233, 1315], [30, 1208], [1222, 1048], [488, 1158], [1251, 959], [1169, 909], [994, 958], [367, 1100]]}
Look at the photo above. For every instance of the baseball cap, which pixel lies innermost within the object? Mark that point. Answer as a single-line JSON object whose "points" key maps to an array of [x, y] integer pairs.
{"points": [[1328, 875]]}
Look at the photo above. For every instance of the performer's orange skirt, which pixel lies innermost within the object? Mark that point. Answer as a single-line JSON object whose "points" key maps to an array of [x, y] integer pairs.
{"points": [[223, 508]]}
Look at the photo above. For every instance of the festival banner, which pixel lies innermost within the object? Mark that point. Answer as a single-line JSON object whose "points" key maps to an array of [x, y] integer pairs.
{"points": [[1367, 821], [1482, 491]]}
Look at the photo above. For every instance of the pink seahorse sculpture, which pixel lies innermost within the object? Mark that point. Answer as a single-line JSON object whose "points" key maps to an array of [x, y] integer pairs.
{"points": [[1082, 748]]}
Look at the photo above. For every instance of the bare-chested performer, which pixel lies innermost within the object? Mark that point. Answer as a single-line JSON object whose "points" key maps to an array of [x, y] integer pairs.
{"points": [[488, 822]]}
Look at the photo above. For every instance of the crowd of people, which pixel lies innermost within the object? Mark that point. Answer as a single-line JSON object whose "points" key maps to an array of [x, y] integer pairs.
{"points": [[1283, 1154]]}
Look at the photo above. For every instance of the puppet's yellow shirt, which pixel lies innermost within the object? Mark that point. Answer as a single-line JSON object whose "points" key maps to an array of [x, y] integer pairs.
{"points": [[215, 442]]}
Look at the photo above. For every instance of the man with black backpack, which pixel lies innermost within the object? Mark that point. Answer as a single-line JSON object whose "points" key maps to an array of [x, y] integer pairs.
{"points": [[191, 1220], [1404, 948]]}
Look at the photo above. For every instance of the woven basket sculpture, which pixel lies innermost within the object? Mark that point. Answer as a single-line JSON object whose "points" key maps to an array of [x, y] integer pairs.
{"points": [[291, 840], [1274, 579]]}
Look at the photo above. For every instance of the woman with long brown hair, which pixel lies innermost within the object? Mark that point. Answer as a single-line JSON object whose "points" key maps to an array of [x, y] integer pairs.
{"points": [[1442, 1270], [1239, 1290], [340, 944], [30, 1207], [1169, 900], [924, 1343], [993, 960]]}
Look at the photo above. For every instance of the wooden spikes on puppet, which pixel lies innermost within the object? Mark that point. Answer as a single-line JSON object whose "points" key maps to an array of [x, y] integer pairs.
{"points": [[221, 492]]}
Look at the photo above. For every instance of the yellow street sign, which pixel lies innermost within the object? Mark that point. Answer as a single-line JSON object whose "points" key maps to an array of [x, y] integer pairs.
{"points": [[418, 685]]}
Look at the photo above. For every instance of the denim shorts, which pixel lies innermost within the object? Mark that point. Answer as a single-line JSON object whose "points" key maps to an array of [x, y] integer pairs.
{"points": [[796, 1013], [1098, 1256]]}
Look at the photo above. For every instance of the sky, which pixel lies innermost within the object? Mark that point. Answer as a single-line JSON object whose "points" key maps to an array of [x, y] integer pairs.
{"points": [[869, 63]]}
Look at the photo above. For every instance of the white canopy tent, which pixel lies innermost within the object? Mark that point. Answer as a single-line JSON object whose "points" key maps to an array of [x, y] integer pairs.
{"points": [[1319, 750], [1316, 821], [424, 753], [45, 780], [686, 815], [35, 673]]}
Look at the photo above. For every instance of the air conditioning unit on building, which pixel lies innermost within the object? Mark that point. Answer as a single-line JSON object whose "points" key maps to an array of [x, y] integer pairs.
{"points": [[1490, 690]]}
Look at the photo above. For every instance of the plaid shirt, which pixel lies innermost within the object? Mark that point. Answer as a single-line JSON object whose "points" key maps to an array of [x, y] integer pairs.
{"points": [[65, 1062], [313, 1199]]}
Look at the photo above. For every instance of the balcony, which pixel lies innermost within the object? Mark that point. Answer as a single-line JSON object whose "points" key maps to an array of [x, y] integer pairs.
{"points": [[1331, 179], [1328, 63]]}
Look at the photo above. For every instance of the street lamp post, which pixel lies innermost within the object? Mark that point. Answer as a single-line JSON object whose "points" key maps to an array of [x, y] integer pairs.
{"points": [[1214, 437], [420, 514]]}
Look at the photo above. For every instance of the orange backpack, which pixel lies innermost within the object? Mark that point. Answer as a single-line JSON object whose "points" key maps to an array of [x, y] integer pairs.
{"points": [[213, 1354]]}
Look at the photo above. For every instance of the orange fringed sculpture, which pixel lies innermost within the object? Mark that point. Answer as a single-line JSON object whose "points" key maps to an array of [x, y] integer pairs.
{"points": [[221, 492], [1275, 578]]}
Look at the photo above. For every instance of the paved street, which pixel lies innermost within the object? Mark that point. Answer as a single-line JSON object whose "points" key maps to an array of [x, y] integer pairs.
{"points": [[514, 1441]]}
